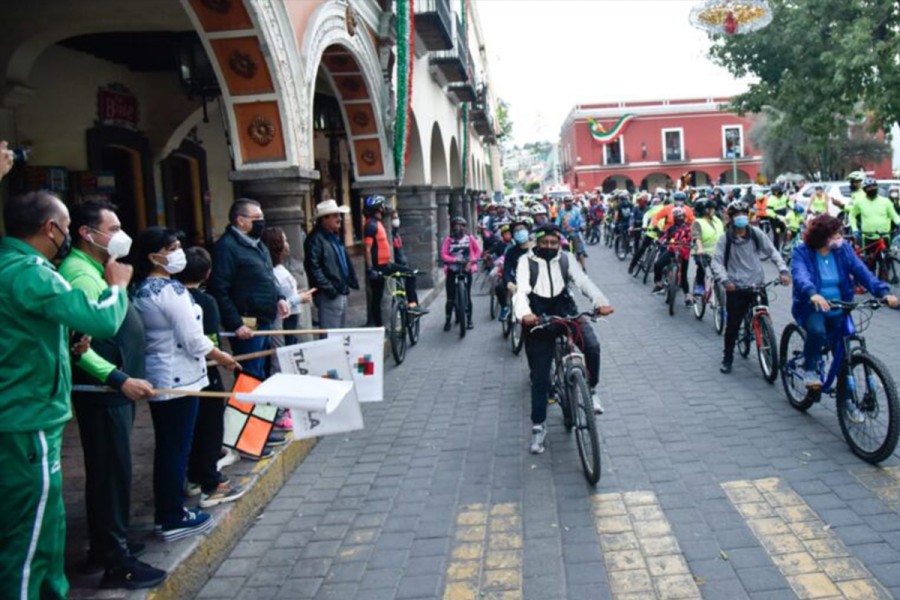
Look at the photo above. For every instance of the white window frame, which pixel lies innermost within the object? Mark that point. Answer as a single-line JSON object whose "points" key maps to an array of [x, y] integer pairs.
{"points": [[621, 141], [680, 131], [740, 128]]}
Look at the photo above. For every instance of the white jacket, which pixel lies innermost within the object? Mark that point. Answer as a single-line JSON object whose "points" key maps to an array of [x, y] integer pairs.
{"points": [[550, 282]]}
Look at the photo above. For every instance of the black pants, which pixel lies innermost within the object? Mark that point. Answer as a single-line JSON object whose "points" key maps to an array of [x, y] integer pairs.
{"points": [[378, 285], [450, 282], [737, 303], [206, 445], [173, 428], [702, 262], [106, 442], [663, 261], [645, 243], [539, 347], [778, 227], [502, 294]]}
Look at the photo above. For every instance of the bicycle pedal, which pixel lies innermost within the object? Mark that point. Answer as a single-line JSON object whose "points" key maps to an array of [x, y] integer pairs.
{"points": [[551, 401]]}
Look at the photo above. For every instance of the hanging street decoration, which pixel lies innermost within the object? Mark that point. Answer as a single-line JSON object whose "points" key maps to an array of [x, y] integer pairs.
{"points": [[731, 17], [600, 134], [405, 61]]}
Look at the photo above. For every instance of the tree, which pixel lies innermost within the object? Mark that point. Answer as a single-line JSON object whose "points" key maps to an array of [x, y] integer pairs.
{"points": [[820, 64], [532, 187], [503, 122]]}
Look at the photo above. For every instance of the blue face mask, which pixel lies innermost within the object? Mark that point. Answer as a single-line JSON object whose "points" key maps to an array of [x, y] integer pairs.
{"points": [[741, 221], [521, 236]]}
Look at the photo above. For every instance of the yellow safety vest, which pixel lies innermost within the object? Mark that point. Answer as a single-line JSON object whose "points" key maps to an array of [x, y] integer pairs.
{"points": [[710, 232]]}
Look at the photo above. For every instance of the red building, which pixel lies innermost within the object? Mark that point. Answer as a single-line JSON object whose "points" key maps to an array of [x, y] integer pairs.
{"points": [[656, 143]]}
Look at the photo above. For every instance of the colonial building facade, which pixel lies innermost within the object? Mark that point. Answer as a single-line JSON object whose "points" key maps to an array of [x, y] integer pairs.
{"points": [[173, 108], [645, 145]]}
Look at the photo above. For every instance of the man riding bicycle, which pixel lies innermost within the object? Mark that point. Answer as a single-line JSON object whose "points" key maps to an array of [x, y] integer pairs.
{"points": [[705, 232], [459, 251], [542, 279], [650, 232], [737, 266], [572, 224], [778, 208], [622, 218], [677, 242], [871, 217]]}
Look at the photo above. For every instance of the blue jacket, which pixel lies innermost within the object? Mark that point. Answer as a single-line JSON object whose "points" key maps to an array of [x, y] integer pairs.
{"points": [[852, 271]]}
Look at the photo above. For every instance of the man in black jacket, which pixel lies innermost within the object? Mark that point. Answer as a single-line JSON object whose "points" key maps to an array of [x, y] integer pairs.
{"points": [[328, 266], [243, 283]]}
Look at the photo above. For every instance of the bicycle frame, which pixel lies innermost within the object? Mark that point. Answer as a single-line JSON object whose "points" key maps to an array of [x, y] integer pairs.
{"points": [[840, 343]]}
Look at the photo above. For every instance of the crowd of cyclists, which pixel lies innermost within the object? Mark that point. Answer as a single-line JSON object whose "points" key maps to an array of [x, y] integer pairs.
{"points": [[534, 250]]}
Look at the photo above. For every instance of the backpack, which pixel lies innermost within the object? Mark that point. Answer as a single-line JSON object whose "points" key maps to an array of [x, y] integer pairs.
{"points": [[533, 269], [728, 241]]}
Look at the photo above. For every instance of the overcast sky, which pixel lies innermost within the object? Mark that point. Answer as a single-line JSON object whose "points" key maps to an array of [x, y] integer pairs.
{"points": [[546, 56]]}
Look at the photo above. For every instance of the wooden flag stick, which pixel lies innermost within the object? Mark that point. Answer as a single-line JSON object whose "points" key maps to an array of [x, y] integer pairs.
{"points": [[200, 393], [229, 334], [248, 356]]}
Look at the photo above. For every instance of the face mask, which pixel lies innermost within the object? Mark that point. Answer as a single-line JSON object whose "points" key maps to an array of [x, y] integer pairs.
{"points": [[521, 236], [835, 243], [62, 250], [175, 262], [257, 229], [547, 254], [395, 223], [741, 221], [457, 233], [872, 193], [895, 197], [119, 244]]}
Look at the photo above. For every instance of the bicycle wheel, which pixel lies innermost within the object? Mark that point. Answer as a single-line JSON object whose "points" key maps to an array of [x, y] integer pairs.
{"points": [[766, 350], [493, 305], [889, 272], [412, 328], [671, 289], [585, 424], [649, 259], [791, 366], [462, 305], [516, 338], [621, 247], [719, 310], [700, 304], [506, 324], [398, 332], [745, 334], [868, 408]]}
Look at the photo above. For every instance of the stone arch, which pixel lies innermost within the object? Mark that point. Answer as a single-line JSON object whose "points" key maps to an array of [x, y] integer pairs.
{"points": [[727, 177], [439, 171], [350, 62], [415, 169], [656, 180], [455, 165], [617, 182], [699, 178]]}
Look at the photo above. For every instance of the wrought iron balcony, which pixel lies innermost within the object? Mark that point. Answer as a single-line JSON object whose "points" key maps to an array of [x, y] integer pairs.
{"points": [[462, 92], [453, 64], [434, 24], [478, 112]]}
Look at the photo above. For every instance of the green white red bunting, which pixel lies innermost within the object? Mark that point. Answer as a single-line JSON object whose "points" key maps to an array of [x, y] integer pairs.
{"points": [[406, 23], [600, 134], [464, 4]]}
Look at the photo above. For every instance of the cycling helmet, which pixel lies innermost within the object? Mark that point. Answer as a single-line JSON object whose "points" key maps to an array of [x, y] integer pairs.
{"points": [[373, 203], [679, 197], [702, 206], [798, 208], [777, 189], [504, 228], [738, 206], [522, 220], [869, 182], [458, 221], [538, 209], [678, 214], [856, 176]]}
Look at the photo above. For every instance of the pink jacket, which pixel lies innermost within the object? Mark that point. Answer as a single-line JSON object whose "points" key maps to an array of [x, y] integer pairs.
{"points": [[452, 250]]}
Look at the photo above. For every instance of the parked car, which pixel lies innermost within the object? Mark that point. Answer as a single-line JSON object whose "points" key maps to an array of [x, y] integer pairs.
{"points": [[839, 190]]}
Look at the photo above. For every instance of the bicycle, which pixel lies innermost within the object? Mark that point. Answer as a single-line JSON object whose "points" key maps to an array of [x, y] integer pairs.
{"points": [[622, 243], [671, 276], [851, 375], [709, 296], [881, 261], [569, 378], [461, 302], [402, 323], [594, 233], [757, 327], [647, 261]]}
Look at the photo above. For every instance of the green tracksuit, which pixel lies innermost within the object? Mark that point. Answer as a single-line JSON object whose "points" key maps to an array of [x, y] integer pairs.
{"points": [[37, 308]]}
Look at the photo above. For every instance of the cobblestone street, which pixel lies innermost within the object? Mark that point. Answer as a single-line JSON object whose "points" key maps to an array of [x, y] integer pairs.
{"points": [[712, 485]]}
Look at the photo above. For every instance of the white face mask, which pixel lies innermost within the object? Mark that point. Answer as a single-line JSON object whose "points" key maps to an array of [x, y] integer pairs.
{"points": [[119, 244], [395, 223], [176, 261]]}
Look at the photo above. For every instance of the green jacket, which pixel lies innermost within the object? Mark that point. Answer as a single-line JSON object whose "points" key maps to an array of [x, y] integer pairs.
{"points": [[37, 308], [876, 215]]}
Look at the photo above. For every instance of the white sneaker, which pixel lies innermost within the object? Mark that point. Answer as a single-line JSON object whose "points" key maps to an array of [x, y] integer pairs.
{"points": [[230, 457], [538, 433], [595, 400], [191, 489]]}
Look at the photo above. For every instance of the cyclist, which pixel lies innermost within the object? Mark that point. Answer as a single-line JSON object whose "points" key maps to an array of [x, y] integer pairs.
{"points": [[622, 218], [737, 266], [378, 260], [793, 222], [819, 203], [677, 242], [678, 200], [871, 216], [542, 279], [825, 269], [636, 221], [855, 179], [521, 234], [894, 197], [778, 208], [572, 223], [459, 251], [539, 214], [705, 233], [650, 232]]}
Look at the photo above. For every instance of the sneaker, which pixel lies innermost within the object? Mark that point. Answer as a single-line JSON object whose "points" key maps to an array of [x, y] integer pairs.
{"points": [[132, 574], [811, 380], [418, 311], [854, 413], [688, 300], [726, 367], [470, 325], [225, 492], [267, 452], [229, 457], [699, 290], [94, 563], [657, 289], [538, 433], [192, 523], [191, 489], [504, 313], [595, 401], [284, 422], [447, 325], [276, 439]]}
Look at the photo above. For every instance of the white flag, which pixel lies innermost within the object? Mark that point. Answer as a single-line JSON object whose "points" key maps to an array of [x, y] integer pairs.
{"points": [[365, 353]]}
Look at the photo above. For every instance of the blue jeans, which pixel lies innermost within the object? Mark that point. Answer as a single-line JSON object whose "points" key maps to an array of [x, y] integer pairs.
{"points": [[173, 429], [819, 326], [254, 366]]}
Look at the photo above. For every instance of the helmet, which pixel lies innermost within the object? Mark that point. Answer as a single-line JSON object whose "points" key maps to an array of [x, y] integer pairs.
{"points": [[547, 229], [458, 221], [798, 208], [701, 206], [679, 197], [504, 228], [856, 176], [894, 191], [678, 214], [538, 209], [373, 203], [624, 194], [738, 206], [522, 220], [869, 182], [777, 189]]}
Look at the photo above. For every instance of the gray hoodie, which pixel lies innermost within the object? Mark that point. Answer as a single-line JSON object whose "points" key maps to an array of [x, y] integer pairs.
{"points": [[745, 268]]}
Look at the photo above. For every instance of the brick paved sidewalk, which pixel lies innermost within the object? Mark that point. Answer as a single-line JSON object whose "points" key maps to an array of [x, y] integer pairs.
{"points": [[712, 485]]}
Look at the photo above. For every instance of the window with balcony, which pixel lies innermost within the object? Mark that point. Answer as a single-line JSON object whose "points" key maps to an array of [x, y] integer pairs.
{"points": [[732, 141], [673, 144], [613, 152]]}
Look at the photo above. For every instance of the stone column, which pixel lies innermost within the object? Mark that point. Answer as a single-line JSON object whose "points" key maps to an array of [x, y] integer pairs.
{"points": [[442, 197], [419, 217]]}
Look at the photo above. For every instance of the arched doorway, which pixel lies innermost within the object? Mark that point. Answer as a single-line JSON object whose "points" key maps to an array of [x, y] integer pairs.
{"points": [[656, 180], [439, 172], [415, 168], [617, 182], [186, 193], [727, 177], [698, 179]]}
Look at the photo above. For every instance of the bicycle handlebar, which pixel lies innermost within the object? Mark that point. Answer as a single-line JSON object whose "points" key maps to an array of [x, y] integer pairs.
{"points": [[547, 320], [871, 303], [748, 288]]}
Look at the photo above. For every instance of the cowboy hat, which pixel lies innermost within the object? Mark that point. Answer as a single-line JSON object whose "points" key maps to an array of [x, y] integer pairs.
{"points": [[330, 207]]}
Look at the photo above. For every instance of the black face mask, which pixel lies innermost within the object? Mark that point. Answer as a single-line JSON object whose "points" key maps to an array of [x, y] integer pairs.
{"points": [[872, 193], [457, 233], [256, 230], [547, 254], [62, 250]]}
